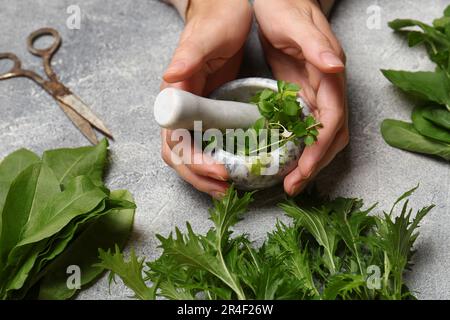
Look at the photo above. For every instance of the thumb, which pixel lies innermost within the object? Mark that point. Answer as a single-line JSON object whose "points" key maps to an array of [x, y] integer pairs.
{"points": [[315, 46], [187, 60]]}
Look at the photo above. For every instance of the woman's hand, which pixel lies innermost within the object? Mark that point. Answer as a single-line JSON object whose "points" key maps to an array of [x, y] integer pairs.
{"points": [[301, 48], [209, 54]]}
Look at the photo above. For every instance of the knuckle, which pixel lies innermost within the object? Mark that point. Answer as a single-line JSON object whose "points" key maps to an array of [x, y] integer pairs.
{"points": [[303, 12]]}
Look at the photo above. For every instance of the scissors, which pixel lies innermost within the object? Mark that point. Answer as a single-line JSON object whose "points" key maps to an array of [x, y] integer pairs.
{"points": [[80, 114]]}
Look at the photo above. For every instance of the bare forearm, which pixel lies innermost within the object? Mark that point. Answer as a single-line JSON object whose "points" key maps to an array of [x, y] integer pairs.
{"points": [[183, 5]]}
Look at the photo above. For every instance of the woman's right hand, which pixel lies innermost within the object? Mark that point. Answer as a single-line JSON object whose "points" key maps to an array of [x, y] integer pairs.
{"points": [[209, 54]]}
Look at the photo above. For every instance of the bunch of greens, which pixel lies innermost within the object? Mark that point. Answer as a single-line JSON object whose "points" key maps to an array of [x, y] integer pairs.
{"points": [[429, 132], [282, 113], [332, 249], [55, 212]]}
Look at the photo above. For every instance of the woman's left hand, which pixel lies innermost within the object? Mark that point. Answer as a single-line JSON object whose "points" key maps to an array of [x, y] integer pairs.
{"points": [[301, 48]]}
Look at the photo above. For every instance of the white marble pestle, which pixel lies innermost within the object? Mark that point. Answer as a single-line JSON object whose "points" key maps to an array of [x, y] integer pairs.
{"points": [[175, 109]]}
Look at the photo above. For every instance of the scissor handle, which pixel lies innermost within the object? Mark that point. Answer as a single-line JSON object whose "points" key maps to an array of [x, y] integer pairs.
{"points": [[47, 52], [16, 69]]}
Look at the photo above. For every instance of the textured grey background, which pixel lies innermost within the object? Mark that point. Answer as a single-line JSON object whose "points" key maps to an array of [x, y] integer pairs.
{"points": [[115, 62]]}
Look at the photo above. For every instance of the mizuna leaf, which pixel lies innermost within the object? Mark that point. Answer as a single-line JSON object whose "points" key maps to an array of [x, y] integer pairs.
{"points": [[129, 271], [344, 286], [315, 221], [294, 262]]}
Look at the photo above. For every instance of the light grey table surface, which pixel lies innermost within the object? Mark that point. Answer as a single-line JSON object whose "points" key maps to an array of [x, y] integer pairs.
{"points": [[115, 61]]}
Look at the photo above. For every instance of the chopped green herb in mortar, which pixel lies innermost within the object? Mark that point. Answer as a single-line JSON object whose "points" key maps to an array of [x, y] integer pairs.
{"points": [[281, 112]]}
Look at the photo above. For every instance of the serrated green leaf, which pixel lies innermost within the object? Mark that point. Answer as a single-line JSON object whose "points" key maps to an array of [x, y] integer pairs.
{"points": [[131, 271]]}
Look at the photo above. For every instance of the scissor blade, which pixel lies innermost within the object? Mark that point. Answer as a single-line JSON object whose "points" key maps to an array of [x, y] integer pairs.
{"points": [[83, 110], [82, 124]]}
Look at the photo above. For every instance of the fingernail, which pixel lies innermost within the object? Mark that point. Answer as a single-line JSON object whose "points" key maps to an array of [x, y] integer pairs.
{"points": [[331, 60], [217, 195], [294, 189], [176, 67], [308, 174], [216, 176]]}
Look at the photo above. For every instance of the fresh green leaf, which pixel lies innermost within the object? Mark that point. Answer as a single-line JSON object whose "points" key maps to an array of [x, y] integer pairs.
{"points": [[281, 112], [70, 163], [322, 254], [439, 116], [281, 85], [110, 230], [80, 197], [44, 227], [266, 94], [396, 237], [309, 140], [415, 38], [344, 286], [10, 168], [259, 124], [291, 108], [27, 196], [310, 121], [292, 87], [432, 86], [402, 135], [300, 129], [315, 221], [428, 128], [129, 271]]}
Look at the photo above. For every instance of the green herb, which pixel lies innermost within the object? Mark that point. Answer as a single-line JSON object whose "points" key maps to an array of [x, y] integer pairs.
{"points": [[332, 249], [427, 128], [280, 112], [431, 120], [56, 212], [403, 135]]}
